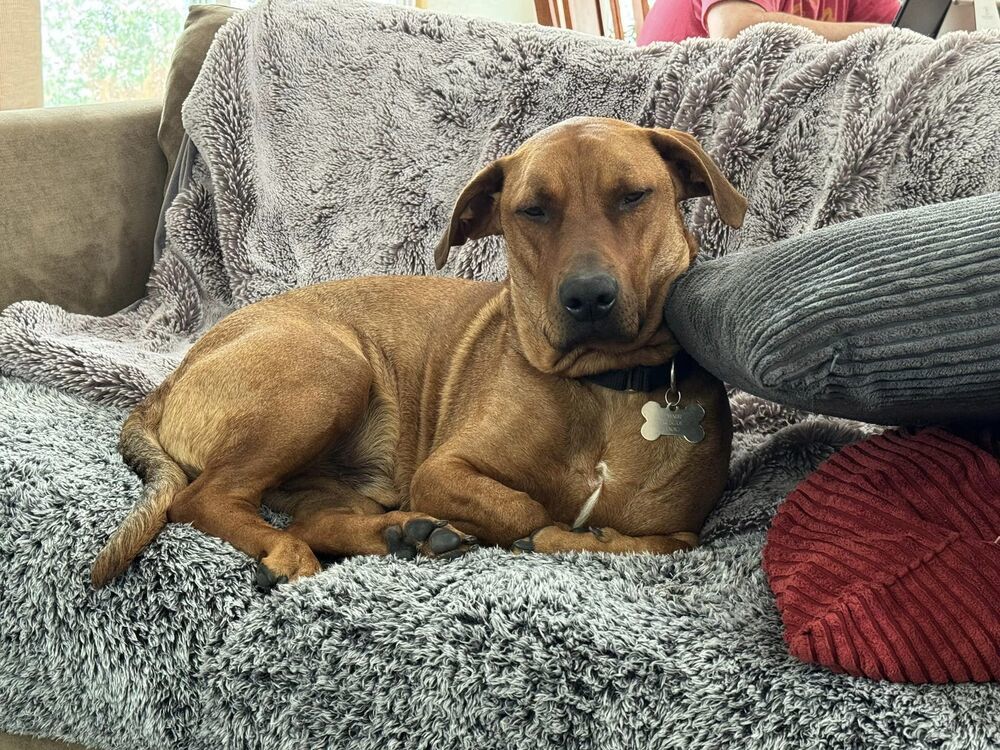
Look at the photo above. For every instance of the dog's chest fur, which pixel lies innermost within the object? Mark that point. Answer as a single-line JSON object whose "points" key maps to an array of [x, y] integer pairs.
{"points": [[575, 448], [587, 463]]}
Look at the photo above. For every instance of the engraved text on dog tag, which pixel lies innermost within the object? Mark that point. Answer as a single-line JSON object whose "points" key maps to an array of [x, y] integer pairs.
{"points": [[673, 420]]}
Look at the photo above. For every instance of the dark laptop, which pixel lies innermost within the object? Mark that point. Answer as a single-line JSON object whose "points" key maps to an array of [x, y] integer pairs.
{"points": [[923, 16]]}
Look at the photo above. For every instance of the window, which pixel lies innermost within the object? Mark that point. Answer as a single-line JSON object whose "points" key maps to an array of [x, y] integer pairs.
{"points": [[95, 51], [617, 19], [101, 51]]}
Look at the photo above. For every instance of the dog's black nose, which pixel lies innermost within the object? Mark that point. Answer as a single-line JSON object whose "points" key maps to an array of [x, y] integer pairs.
{"points": [[589, 295]]}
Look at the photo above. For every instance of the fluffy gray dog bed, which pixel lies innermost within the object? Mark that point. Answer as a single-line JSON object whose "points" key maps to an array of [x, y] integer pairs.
{"points": [[490, 651], [333, 139]]}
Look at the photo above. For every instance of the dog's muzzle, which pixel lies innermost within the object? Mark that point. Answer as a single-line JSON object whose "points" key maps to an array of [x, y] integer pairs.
{"points": [[589, 309], [589, 296]]}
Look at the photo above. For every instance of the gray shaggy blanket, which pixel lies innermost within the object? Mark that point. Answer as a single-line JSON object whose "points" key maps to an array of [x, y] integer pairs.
{"points": [[332, 140], [487, 652]]}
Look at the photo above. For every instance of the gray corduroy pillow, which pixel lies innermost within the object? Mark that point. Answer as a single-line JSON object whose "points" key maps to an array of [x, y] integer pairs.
{"points": [[893, 319]]}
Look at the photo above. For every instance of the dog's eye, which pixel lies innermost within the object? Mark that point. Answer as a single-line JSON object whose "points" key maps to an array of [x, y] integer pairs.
{"points": [[537, 213], [631, 199]]}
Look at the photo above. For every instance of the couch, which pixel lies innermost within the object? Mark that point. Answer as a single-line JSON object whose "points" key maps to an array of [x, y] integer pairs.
{"points": [[100, 172], [534, 632]]}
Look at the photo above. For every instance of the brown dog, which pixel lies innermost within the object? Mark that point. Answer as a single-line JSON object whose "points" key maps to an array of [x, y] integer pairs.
{"points": [[371, 408]]}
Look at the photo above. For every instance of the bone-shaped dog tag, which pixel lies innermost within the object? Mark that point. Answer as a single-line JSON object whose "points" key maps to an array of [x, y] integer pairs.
{"points": [[673, 420]]}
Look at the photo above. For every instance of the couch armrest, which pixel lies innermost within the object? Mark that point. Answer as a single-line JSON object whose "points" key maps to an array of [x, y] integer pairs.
{"points": [[80, 191]]}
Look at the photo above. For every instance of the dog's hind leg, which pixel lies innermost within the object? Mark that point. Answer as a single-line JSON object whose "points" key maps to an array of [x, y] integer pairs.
{"points": [[247, 417], [222, 504]]}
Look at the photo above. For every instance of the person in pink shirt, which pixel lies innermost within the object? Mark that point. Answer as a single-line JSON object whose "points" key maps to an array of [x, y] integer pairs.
{"points": [[674, 20]]}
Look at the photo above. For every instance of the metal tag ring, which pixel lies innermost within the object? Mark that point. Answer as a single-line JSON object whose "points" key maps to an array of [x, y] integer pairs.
{"points": [[673, 396]]}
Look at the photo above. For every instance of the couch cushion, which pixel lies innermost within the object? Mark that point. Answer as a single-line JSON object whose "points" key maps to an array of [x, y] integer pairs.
{"points": [[489, 651], [888, 319], [80, 192], [199, 30]]}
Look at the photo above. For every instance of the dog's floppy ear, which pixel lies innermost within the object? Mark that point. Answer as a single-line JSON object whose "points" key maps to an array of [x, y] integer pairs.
{"points": [[699, 174], [475, 212]]}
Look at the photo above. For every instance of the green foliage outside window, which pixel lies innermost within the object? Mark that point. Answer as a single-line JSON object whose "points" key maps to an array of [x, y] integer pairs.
{"points": [[110, 50], [100, 51]]}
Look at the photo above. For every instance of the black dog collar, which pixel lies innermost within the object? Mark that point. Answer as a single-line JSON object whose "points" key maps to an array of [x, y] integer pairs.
{"points": [[641, 378]]}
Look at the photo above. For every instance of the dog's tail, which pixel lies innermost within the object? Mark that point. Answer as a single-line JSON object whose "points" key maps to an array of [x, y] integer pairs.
{"points": [[164, 478]]}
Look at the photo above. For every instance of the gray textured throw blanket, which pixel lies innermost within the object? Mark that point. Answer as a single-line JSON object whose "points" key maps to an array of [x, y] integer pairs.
{"points": [[333, 138]]}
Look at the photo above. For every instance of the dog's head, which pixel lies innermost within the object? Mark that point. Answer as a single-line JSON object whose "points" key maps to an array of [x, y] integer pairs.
{"points": [[589, 210]]}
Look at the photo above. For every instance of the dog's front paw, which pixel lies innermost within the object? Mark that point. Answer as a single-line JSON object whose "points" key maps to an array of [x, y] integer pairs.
{"points": [[285, 562], [428, 537], [560, 537], [522, 546]]}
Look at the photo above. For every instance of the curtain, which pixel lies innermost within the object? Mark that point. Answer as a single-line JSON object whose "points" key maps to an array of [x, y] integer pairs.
{"points": [[20, 54]]}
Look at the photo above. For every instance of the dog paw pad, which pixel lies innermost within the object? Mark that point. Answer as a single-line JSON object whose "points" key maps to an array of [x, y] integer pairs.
{"points": [[429, 537], [399, 544], [523, 545], [443, 540], [419, 529], [264, 579]]}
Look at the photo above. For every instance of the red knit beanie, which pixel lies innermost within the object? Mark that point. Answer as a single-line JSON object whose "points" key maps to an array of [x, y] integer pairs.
{"points": [[886, 561]]}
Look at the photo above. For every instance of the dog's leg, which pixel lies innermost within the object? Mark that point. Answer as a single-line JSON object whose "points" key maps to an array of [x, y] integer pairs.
{"points": [[336, 519], [219, 503], [396, 532], [449, 487], [561, 538], [280, 416], [446, 486]]}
